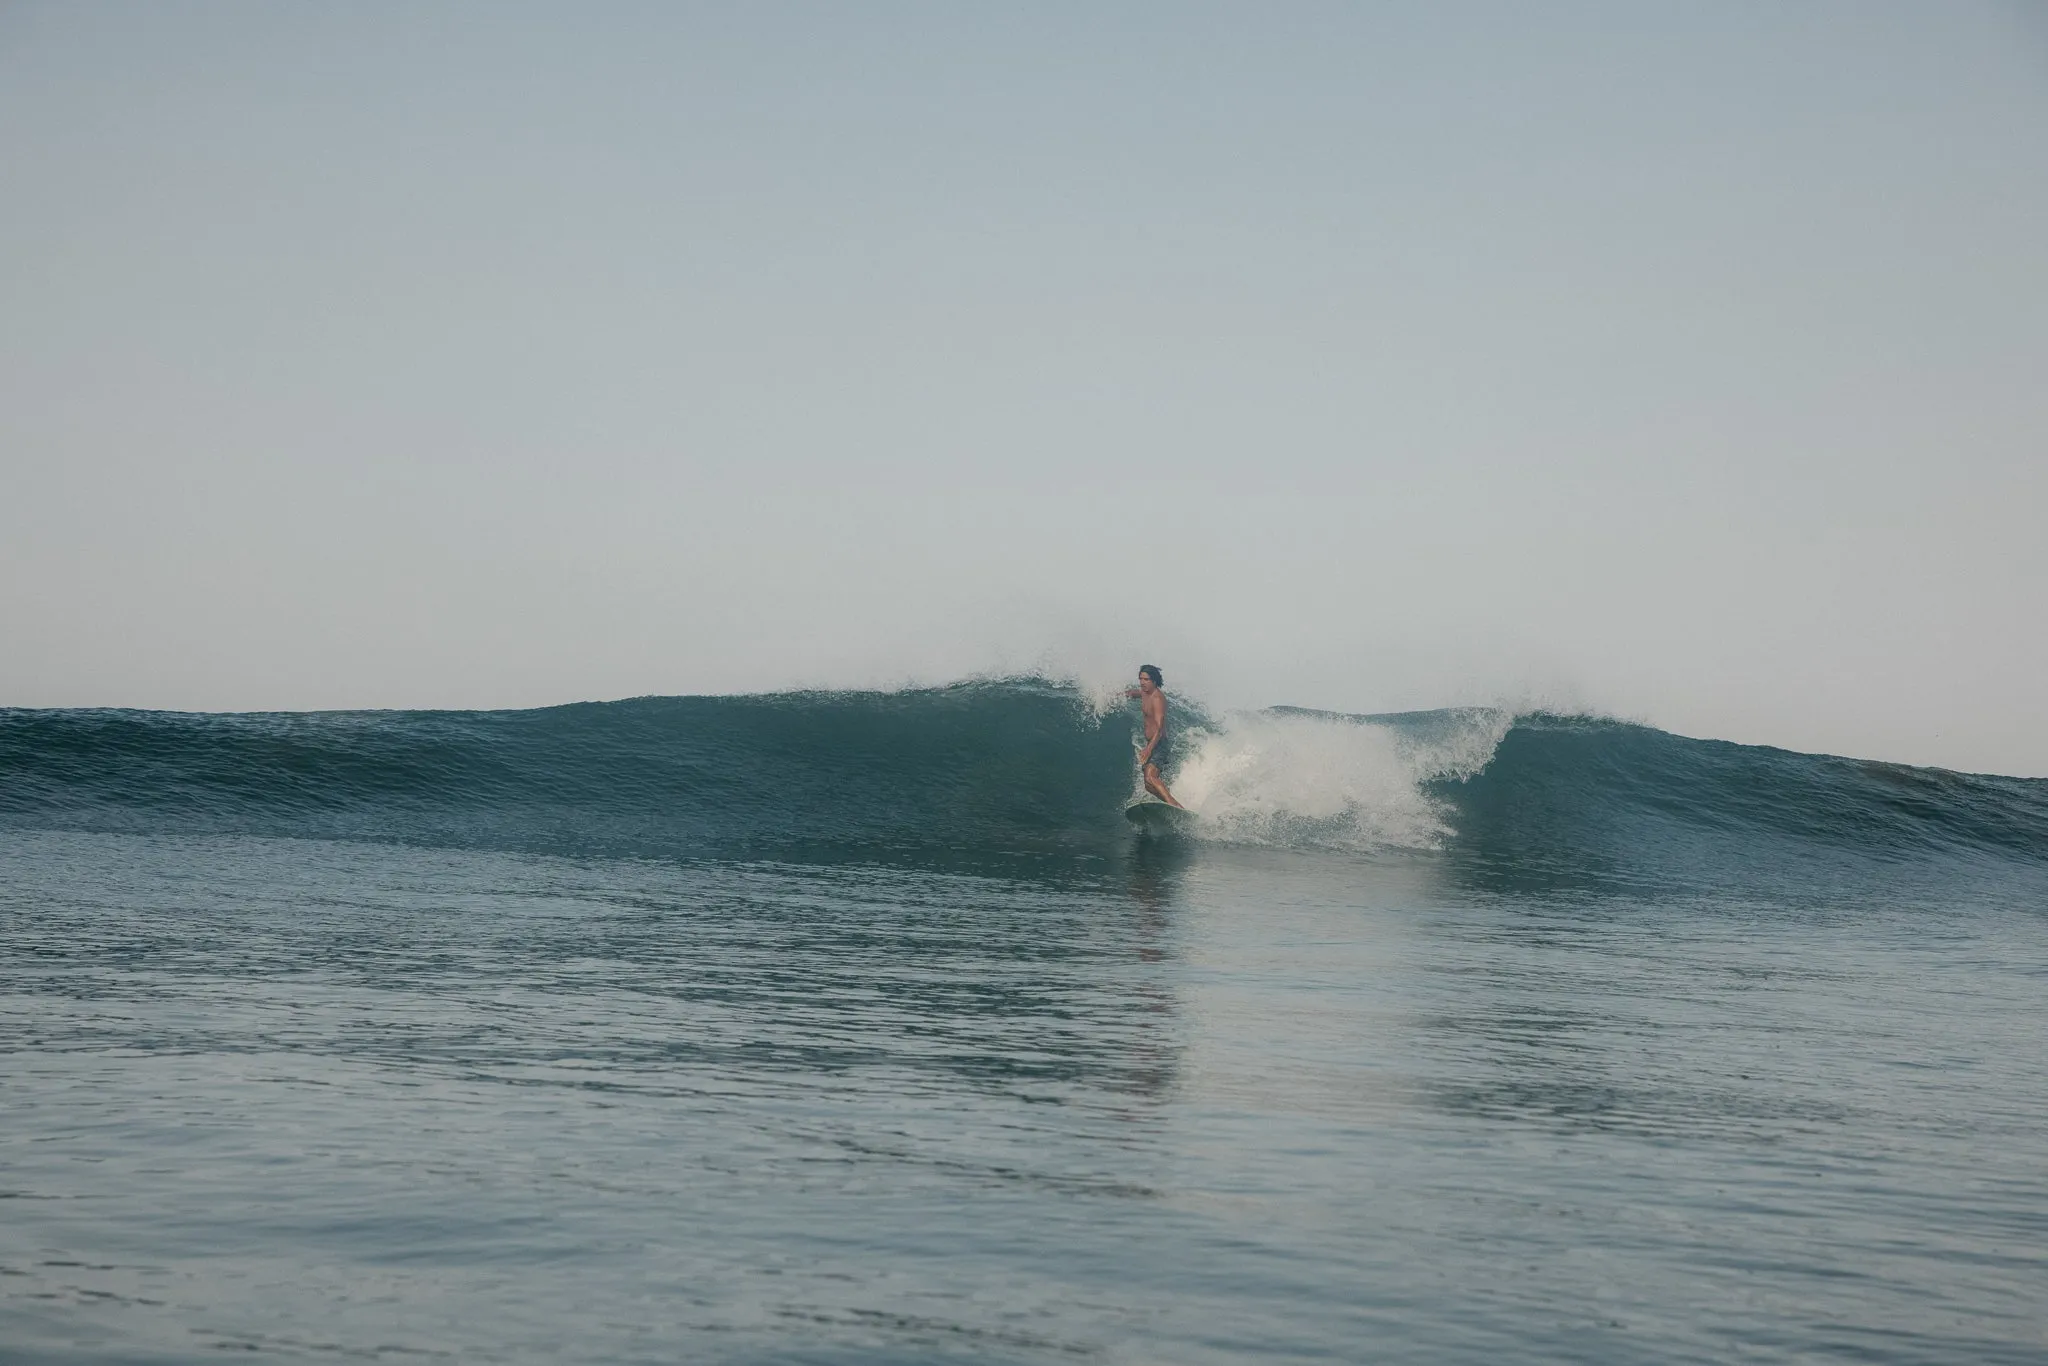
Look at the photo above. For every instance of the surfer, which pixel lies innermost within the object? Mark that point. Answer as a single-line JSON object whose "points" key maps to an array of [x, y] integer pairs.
{"points": [[1157, 743]]}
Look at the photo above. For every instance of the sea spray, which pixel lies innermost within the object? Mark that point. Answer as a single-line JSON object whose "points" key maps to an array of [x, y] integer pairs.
{"points": [[1293, 777]]}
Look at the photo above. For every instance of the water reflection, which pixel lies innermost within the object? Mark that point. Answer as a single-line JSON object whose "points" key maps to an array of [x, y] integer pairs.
{"points": [[1574, 1016], [1188, 1104], [629, 976], [1009, 984], [1153, 873]]}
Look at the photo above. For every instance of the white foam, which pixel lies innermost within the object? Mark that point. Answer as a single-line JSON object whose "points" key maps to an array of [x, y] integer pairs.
{"points": [[1331, 781]]}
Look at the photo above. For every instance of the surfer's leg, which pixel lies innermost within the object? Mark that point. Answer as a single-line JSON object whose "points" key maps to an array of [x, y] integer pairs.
{"points": [[1157, 785]]}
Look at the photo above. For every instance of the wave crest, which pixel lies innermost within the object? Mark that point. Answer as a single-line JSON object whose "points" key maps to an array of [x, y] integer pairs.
{"points": [[993, 769]]}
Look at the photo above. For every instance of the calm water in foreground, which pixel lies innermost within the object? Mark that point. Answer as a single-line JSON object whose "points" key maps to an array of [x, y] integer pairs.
{"points": [[284, 1098]]}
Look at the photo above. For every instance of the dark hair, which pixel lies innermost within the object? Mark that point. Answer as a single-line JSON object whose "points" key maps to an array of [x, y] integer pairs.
{"points": [[1152, 669]]}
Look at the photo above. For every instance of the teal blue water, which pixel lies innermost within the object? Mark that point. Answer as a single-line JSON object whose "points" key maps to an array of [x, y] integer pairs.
{"points": [[554, 1036]]}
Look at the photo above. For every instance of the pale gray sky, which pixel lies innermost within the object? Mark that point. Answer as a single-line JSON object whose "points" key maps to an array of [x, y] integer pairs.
{"points": [[1682, 361]]}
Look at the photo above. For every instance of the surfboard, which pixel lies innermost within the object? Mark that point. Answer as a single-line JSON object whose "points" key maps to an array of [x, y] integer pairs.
{"points": [[1149, 813]]}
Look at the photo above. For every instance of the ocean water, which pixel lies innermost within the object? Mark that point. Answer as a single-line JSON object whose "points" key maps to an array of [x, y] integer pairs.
{"points": [[861, 1028]]}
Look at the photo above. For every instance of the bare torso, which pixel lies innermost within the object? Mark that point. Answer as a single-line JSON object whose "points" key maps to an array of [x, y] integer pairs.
{"points": [[1152, 707]]}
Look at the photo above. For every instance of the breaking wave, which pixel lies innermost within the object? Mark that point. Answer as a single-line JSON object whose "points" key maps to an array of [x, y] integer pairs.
{"points": [[990, 769]]}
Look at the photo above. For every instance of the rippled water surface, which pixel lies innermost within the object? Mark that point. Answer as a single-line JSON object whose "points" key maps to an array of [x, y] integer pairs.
{"points": [[291, 1098]]}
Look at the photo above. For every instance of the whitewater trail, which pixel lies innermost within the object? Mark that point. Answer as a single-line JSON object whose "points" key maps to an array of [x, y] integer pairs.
{"points": [[1307, 778]]}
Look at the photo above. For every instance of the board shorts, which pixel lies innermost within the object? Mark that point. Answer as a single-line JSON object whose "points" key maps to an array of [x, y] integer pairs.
{"points": [[1162, 750]]}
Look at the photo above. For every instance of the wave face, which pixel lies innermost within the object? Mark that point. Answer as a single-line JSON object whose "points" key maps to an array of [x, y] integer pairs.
{"points": [[994, 769]]}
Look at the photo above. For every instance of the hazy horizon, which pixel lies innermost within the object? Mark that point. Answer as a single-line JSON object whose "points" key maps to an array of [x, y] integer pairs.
{"points": [[1684, 366]]}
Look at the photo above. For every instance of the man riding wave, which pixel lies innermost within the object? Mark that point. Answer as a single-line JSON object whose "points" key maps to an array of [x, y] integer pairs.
{"points": [[1157, 742]]}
